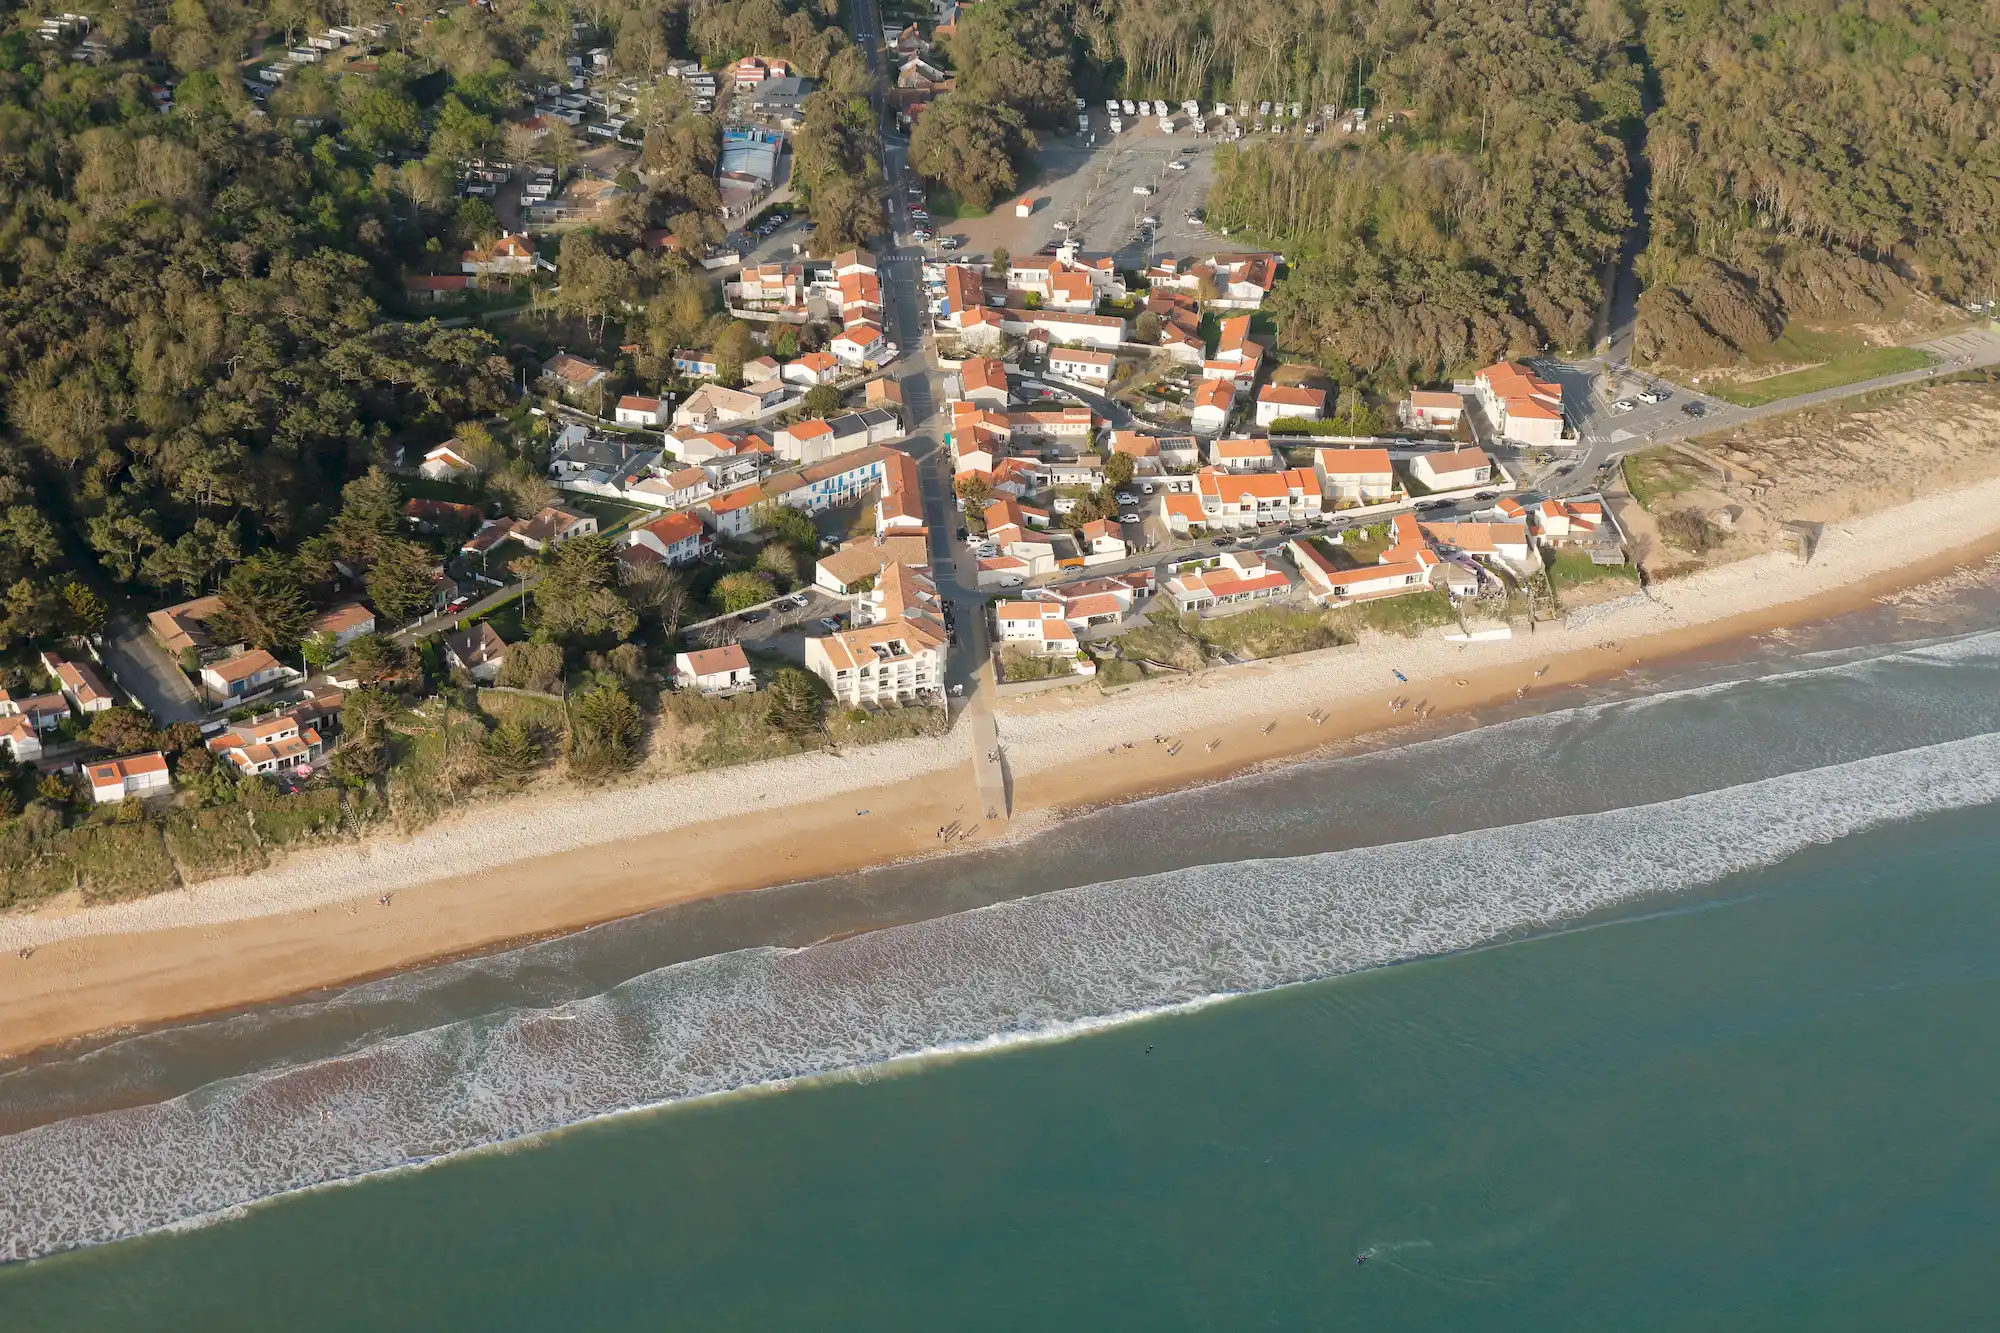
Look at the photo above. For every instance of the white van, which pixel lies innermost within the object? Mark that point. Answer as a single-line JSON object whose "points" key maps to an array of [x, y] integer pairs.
{"points": [[1142, 189]]}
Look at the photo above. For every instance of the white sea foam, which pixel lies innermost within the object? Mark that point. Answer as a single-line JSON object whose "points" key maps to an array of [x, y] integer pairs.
{"points": [[1021, 970]]}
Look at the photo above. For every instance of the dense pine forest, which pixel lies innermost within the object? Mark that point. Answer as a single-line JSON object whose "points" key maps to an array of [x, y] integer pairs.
{"points": [[1815, 161], [1811, 161], [201, 337]]}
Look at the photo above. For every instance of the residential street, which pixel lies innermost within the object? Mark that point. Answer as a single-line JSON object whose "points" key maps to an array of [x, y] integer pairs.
{"points": [[140, 667]]}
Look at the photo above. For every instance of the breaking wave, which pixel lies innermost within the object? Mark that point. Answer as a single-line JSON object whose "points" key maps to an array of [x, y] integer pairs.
{"points": [[1026, 969]]}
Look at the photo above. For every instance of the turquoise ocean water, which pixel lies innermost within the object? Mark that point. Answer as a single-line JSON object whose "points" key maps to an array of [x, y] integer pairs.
{"points": [[1670, 1009]]}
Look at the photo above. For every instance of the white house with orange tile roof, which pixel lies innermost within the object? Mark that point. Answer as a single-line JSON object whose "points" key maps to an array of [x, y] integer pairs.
{"points": [[20, 739], [1559, 522], [1236, 577], [1082, 366], [247, 673], [979, 436], [344, 623], [138, 775], [645, 410], [1041, 627], [1103, 541], [1051, 423], [270, 745], [1522, 406], [1356, 476], [1143, 450], [1507, 543], [513, 253], [1004, 571], [80, 684], [715, 671], [1058, 326], [1181, 511], [811, 369], [1099, 600], [1432, 409], [675, 489], [1232, 501], [1240, 281], [1285, 402], [1209, 412], [443, 462], [714, 405], [857, 563], [983, 380], [671, 539], [1330, 585], [1008, 520], [857, 344], [896, 661], [1452, 471], [899, 504], [853, 261], [1242, 455], [860, 298], [735, 513], [1233, 345]]}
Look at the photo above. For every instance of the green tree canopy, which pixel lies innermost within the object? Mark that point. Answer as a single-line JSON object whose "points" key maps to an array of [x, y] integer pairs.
{"points": [[972, 147], [264, 603], [578, 597], [742, 590]]}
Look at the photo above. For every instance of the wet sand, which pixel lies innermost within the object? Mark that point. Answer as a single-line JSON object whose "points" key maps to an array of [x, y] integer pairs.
{"points": [[91, 981]]}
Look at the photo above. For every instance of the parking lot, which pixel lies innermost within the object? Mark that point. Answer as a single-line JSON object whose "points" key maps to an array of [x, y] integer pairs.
{"points": [[1089, 187]]}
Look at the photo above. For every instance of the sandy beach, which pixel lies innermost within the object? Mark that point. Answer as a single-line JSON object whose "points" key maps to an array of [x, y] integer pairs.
{"points": [[528, 868]]}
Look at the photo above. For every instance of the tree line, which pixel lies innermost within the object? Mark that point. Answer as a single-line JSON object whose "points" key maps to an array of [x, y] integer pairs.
{"points": [[1815, 162]]}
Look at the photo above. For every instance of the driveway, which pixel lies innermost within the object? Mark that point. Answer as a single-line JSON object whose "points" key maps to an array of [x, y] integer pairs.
{"points": [[144, 670]]}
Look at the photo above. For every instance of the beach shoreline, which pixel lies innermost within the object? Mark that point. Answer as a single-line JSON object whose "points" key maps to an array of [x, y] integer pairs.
{"points": [[521, 870]]}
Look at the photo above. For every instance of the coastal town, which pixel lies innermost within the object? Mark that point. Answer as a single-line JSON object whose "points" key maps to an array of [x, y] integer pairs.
{"points": [[747, 661], [879, 490]]}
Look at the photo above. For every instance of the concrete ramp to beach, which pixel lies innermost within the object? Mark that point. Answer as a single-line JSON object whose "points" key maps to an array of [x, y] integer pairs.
{"points": [[988, 765]]}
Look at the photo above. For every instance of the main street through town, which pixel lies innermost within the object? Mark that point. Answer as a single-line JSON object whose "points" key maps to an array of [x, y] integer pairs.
{"points": [[968, 675]]}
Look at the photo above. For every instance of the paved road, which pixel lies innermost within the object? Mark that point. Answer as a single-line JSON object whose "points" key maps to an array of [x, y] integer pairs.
{"points": [[449, 620], [143, 670], [1606, 435], [952, 568]]}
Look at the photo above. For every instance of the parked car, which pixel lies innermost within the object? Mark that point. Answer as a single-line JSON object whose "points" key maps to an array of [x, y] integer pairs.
{"points": [[831, 624], [1126, 498], [1176, 165], [1142, 189], [1623, 405], [1223, 541], [751, 617], [799, 599], [1486, 495], [1693, 410], [961, 534], [1655, 395]]}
